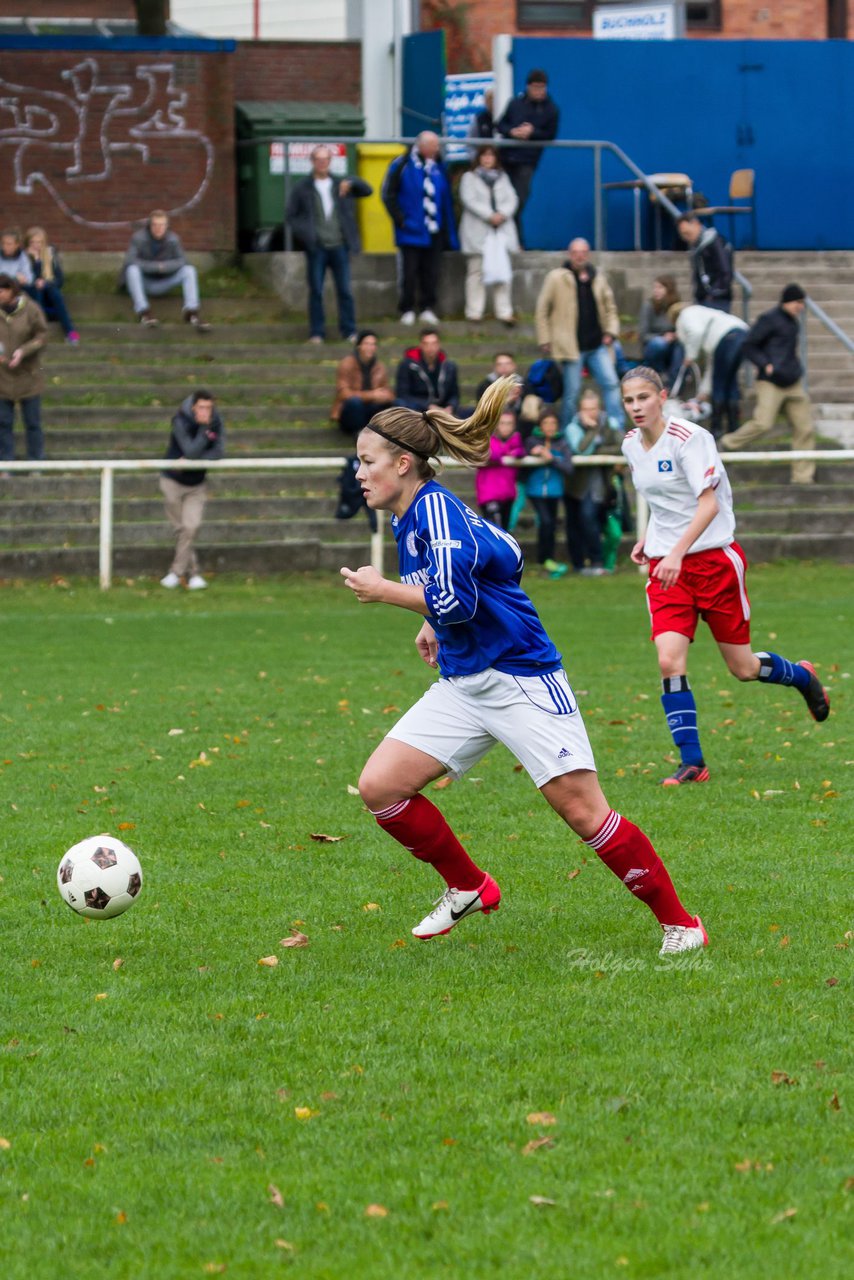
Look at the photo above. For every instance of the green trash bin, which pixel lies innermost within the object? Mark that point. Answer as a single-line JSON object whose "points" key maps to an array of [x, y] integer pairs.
{"points": [[261, 167]]}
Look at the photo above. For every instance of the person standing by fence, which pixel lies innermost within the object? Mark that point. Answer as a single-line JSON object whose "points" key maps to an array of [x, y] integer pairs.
{"points": [[197, 433]]}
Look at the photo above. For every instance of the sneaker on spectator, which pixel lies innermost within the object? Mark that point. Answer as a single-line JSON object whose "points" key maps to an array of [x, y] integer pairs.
{"points": [[351, 337], [196, 583], [73, 338], [147, 320], [317, 340], [171, 581], [200, 325], [408, 317], [429, 317]]}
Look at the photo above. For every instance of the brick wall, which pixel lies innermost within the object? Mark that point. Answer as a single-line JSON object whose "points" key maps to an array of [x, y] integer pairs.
{"points": [[129, 132], [294, 71], [470, 44]]}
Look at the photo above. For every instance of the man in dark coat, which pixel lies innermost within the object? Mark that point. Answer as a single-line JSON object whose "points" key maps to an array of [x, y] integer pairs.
{"points": [[321, 216], [772, 346], [711, 263], [531, 116], [426, 378]]}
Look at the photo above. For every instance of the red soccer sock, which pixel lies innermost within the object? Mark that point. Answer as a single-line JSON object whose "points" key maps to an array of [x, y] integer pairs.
{"points": [[420, 827], [627, 852]]}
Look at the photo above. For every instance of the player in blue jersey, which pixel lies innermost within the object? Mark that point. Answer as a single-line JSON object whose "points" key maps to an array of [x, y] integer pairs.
{"points": [[697, 569], [501, 676]]}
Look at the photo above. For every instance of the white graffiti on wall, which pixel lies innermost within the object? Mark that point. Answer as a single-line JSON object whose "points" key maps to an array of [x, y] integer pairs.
{"points": [[63, 140]]}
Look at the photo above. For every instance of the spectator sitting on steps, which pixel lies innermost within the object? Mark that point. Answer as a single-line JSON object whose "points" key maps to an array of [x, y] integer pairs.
{"points": [[503, 366], [197, 433], [14, 261], [426, 378], [48, 279], [23, 330], [361, 386], [154, 264]]}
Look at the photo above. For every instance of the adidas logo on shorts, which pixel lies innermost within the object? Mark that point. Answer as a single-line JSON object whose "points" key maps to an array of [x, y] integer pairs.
{"points": [[563, 754]]}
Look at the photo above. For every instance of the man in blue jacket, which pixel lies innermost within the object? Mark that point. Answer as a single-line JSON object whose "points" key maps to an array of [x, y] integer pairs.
{"points": [[417, 193], [531, 116]]}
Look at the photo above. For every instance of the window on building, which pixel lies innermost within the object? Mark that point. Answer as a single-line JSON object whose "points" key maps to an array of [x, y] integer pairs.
{"points": [[577, 15]]}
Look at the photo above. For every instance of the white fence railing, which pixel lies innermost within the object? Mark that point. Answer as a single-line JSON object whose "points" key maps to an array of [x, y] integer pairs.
{"points": [[109, 466]]}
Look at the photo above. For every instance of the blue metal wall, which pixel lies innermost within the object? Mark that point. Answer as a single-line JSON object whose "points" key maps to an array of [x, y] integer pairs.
{"points": [[702, 107]]}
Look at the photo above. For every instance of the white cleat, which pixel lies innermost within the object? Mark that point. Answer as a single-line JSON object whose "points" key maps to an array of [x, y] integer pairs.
{"points": [[683, 937], [455, 904]]}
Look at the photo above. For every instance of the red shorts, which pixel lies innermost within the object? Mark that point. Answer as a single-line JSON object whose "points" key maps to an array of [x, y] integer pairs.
{"points": [[711, 586]]}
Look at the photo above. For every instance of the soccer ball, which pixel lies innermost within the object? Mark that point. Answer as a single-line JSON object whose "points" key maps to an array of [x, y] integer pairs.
{"points": [[99, 877]]}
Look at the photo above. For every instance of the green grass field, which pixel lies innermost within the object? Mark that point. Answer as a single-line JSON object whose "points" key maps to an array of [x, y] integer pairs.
{"points": [[534, 1096]]}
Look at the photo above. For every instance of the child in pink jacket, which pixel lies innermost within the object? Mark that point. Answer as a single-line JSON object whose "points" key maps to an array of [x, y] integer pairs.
{"points": [[495, 482]]}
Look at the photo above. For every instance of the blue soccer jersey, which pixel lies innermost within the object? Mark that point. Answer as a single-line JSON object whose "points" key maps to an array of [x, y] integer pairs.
{"points": [[470, 571]]}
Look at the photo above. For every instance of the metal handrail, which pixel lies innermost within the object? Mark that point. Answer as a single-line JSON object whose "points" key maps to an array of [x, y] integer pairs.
{"points": [[829, 324], [109, 466]]}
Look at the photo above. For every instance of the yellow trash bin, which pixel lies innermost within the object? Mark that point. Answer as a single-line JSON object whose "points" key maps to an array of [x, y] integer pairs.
{"points": [[375, 225]]}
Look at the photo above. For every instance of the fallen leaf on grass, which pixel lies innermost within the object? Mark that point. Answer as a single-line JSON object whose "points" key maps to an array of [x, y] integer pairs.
{"points": [[118, 962], [269, 962], [305, 1113], [831, 982], [174, 733], [541, 1117], [541, 1201], [296, 939], [848, 1185], [437, 1205], [785, 1216], [276, 1196], [321, 838], [573, 874], [351, 790], [782, 1077], [443, 782], [214, 1268], [121, 1217], [5, 1144], [102, 995], [535, 1144], [371, 906], [376, 1211], [284, 1244], [834, 1102]]}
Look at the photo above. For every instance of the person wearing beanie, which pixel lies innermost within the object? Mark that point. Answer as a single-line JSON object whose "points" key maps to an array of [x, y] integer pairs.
{"points": [[531, 116], [772, 346], [361, 386]]}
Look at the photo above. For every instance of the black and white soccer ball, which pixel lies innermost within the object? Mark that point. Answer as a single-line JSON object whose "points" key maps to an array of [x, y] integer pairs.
{"points": [[99, 877]]}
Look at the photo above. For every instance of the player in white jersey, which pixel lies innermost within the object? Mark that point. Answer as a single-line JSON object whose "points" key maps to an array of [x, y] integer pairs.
{"points": [[501, 676], [697, 569]]}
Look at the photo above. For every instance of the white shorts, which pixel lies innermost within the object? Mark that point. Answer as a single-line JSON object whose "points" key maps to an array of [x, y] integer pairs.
{"points": [[536, 717]]}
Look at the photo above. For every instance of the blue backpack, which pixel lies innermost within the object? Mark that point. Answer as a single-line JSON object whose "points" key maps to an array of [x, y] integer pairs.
{"points": [[544, 379]]}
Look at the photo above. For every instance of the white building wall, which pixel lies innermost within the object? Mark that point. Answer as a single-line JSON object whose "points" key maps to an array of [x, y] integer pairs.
{"points": [[278, 19]]}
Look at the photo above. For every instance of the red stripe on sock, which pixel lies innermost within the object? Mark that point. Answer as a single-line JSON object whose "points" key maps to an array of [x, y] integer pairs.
{"points": [[627, 852], [421, 828]]}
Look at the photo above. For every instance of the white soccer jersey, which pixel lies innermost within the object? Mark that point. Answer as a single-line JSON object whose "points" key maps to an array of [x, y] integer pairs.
{"points": [[671, 475]]}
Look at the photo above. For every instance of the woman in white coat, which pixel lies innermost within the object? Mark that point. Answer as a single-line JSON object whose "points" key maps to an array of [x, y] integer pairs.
{"points": [[488, 235]]}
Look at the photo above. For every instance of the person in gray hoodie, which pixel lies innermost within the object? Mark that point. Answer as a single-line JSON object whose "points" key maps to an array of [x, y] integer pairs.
{"points": [[154, 264], [198, 434]]}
